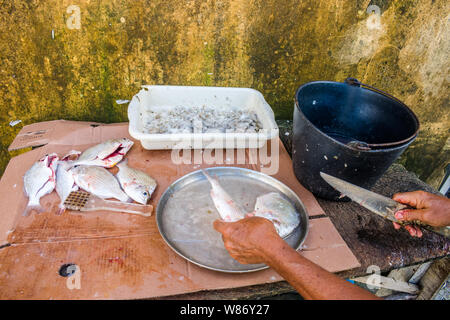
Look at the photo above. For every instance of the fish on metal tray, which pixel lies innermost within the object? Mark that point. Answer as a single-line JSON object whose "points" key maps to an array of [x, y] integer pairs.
{"points": [[98, 181], [228, 210], [40, 180], [274, 207], [106, 154], [137, 184]]}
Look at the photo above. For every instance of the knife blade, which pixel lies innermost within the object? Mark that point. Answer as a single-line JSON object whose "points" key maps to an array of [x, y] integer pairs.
{"points": [[376, 203]]}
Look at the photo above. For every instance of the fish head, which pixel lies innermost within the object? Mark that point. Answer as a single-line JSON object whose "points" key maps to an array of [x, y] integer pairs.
{"points": [[50, 161], [77, 170], [139, 193], [71, 155]]}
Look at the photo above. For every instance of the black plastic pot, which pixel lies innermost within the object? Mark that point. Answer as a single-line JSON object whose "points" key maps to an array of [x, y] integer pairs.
{"points": [[349, 130]]}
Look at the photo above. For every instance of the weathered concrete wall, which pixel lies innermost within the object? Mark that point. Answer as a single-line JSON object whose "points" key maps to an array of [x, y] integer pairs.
{"points": [[56, 66]]}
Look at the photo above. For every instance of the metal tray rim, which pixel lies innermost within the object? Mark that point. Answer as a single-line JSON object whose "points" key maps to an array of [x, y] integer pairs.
{"points": [[254, 174]]}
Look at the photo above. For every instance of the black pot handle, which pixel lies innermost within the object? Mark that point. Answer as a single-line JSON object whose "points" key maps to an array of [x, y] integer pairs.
{"points": [[355, 82]]}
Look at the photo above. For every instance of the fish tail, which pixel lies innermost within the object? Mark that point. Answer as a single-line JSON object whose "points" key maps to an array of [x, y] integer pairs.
{"points": [[61, 209], [33, 207], [75, 163], [210, 179]]}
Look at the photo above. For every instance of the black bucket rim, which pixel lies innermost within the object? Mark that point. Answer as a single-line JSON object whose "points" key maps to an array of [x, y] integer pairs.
{"points": [[375, 146]]}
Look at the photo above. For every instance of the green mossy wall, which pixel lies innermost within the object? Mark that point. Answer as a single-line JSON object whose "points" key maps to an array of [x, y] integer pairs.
{"points": [[270, 45]]}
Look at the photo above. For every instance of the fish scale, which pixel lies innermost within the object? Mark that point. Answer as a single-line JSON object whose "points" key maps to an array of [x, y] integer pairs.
{"points": [[279, 210], [271, 206], [98, 181], [137, 184]]}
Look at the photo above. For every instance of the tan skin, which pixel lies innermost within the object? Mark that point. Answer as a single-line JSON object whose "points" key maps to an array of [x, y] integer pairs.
{"points": [[431, 209], [255, 240]]}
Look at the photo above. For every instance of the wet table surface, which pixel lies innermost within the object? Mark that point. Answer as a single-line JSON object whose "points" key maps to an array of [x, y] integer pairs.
{"points": [[372, 239]]}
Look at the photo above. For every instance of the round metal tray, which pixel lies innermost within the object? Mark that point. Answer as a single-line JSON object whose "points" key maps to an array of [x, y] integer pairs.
{"points": [[185, 215]]}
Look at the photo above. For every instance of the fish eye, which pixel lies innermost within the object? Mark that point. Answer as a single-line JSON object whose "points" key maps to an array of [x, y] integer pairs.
{"points": [[145, 193]]}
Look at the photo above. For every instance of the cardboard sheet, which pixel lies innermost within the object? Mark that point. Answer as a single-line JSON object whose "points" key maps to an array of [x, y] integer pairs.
{"points": [[121, 256]]}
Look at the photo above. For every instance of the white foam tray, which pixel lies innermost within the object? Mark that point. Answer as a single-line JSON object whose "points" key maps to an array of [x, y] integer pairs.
{"points": [[152, 97]]}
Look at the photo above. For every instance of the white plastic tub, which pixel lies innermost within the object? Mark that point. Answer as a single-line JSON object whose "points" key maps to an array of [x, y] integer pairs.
{"points": [[160, 97]]}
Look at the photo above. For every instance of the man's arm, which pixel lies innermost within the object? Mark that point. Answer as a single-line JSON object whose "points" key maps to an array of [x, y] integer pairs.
{"points": [[255, 240]]}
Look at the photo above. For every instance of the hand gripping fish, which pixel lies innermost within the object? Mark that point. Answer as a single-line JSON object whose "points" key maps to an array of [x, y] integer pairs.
{"points": [[228, 210], [40, 180], [105, 154], [272, 206]]}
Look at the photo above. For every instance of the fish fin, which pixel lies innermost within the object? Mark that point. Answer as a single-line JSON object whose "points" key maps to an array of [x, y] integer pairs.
{"points": [[124, 198], [30, 208], [61, 209], [122, 163]]}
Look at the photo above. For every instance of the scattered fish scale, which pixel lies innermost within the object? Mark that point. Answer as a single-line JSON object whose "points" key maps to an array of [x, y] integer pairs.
{"points": [[202, 119]]}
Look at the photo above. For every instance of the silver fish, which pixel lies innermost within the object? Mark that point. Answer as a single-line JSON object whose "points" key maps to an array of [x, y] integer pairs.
{"points": [[40, 180], [279, 210], [98, 181], [65, 182], [137, 184], [106, 154], [228, 210]]}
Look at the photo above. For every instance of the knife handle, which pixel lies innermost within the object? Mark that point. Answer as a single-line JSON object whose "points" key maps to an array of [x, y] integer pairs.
{"points": [[445, 231]]}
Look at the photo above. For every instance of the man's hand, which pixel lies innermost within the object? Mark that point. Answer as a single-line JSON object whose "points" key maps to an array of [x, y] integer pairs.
{"points": [[255, 240], [429, 208], [248, 240]]}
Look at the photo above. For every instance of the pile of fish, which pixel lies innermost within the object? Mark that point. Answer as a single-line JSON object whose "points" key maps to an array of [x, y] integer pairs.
{"points": [[87, 171], [271, 206]]}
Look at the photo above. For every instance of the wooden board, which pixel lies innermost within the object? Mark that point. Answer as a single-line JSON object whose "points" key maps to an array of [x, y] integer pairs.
{"points": [[122, 256]]}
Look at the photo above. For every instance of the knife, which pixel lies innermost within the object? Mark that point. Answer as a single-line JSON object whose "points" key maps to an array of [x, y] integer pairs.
{"points": [[381, 205]]}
